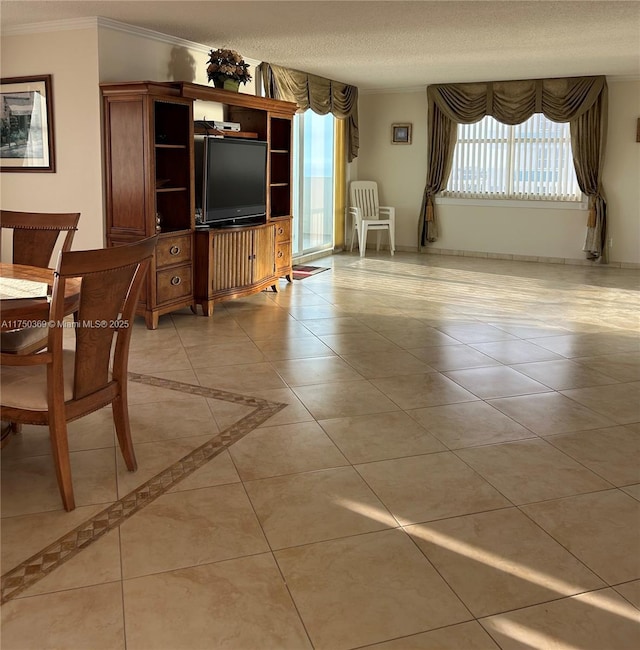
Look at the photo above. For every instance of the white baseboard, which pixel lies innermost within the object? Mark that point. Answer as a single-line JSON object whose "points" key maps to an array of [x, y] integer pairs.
{"points": [[501, 256], [521, 258]]}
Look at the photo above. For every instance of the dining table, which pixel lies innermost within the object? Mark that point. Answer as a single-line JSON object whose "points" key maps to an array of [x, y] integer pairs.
{"points": [[25, 293]]}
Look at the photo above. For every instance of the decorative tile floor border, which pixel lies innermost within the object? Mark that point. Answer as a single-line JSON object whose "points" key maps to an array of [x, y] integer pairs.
{"points": [[69, 545]]}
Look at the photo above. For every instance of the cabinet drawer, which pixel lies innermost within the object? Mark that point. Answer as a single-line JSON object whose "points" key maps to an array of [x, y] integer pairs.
{"points": [[172, 284], [283, 256], [283, 231], [173, 250]]}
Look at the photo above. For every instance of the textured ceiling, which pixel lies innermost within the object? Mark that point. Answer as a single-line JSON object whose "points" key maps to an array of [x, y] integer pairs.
{"points": [[392, 44]]}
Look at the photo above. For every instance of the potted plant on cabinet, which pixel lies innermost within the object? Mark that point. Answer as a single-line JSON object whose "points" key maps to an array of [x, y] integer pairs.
{"points": [[227, 69]]}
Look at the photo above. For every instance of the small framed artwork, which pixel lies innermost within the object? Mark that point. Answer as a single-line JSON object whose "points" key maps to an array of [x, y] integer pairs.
{"points": [[401, 133], [26, 124]]}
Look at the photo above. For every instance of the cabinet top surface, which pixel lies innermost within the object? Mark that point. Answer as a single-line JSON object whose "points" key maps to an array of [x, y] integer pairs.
{"points": [[198, 91]]}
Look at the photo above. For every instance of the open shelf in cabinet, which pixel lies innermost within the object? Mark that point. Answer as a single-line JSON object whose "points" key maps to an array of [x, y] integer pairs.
{"points": [[280, 200], [171, 126], [203, 130], [280, 134]]}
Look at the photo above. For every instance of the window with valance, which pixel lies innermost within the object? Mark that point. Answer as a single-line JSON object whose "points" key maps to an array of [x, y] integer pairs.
{"points": [[580, 101]]}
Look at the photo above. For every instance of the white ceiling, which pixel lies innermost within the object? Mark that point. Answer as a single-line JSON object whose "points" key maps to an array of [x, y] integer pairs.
{"points": [[391, 44]]}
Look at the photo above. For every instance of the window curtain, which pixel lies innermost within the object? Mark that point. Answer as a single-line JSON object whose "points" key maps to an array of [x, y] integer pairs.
{"points": [[320, 95], [581, 101], [340, 183]]}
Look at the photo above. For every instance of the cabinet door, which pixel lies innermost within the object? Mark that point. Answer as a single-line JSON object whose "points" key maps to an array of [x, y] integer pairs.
{"points": [[232, 259], [126, 168], [263, 253]]}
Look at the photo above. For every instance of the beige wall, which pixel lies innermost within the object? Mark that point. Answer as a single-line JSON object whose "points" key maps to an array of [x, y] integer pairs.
{"points": [[621, 177], [130, 57], [400, 169], [71, 57], [136, 56]]}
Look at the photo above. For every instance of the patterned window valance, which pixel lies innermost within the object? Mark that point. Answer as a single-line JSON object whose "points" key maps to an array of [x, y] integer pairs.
{"points": [[320, 95]]}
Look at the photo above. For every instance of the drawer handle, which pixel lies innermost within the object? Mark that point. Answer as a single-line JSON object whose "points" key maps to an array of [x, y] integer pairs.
{"points": [[280, 254], [174, 250], [175, 280], [280, 230]]}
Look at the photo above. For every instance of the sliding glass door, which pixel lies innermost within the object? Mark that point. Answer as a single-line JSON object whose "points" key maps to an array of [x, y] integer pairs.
{"points": [[313, 183]]}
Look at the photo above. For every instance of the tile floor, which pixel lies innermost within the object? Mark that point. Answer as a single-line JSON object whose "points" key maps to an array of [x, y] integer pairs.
{"points": [[403, 453]]}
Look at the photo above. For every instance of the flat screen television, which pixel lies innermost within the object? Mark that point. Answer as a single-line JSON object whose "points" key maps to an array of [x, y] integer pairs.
{"points": [[230, 179]]}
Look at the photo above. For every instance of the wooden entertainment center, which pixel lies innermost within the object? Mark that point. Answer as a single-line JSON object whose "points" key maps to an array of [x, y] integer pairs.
{"points": [[149, 171]]}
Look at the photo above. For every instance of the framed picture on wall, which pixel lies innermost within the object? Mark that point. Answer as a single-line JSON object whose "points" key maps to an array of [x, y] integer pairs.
{"points": [[401, 133], [26, 124]]}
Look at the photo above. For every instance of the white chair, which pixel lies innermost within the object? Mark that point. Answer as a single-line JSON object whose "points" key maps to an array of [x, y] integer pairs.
{"points": [[367, 214]]}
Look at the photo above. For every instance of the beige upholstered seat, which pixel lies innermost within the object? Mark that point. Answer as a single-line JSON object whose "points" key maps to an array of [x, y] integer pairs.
{"points": [[25, 387], [35, 236], [367, 214], [58, 385]]}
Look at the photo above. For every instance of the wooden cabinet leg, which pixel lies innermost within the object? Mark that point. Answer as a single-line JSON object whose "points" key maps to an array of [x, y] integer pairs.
{"points": [[288, 276], [194, 308], [207, 307], [151, 320], [275, 288]]}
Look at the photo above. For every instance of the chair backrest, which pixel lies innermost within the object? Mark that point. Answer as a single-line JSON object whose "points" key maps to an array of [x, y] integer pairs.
{"points": [[364, 195], [111, 282], [35, 234]]}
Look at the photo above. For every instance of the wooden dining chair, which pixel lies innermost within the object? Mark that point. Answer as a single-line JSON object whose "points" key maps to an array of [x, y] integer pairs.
{"points": [[35, 237], [58, 385]]}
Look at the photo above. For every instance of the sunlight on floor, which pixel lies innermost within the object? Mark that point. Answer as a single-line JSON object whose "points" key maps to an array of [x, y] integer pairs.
{"points": [[561, 587], [530, 638]]}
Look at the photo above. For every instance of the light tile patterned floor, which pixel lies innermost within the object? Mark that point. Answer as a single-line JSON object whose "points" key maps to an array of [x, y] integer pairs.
{"points": [[403, 453]]}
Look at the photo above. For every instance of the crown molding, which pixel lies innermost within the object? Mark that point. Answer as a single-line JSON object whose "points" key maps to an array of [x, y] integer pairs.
{"points": [[51, 26], [94, 22], [116, 25]]}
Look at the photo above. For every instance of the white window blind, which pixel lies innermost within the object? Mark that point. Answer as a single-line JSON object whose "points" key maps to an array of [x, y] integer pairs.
{"points": [[528, 161]]}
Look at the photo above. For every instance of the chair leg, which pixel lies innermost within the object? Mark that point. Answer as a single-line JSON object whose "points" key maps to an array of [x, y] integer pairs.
{"points": [[378, 236], [354, 232], [362, 239], [60, 449], [123, 431], [392, 237]]}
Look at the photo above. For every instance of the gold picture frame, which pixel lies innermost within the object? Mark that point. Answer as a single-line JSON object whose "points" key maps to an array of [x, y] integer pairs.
{"points": [[26, 124], [401, 133]]}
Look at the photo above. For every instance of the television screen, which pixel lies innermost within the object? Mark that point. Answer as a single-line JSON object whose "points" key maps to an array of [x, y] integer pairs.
{"points": [[230, 179]]}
